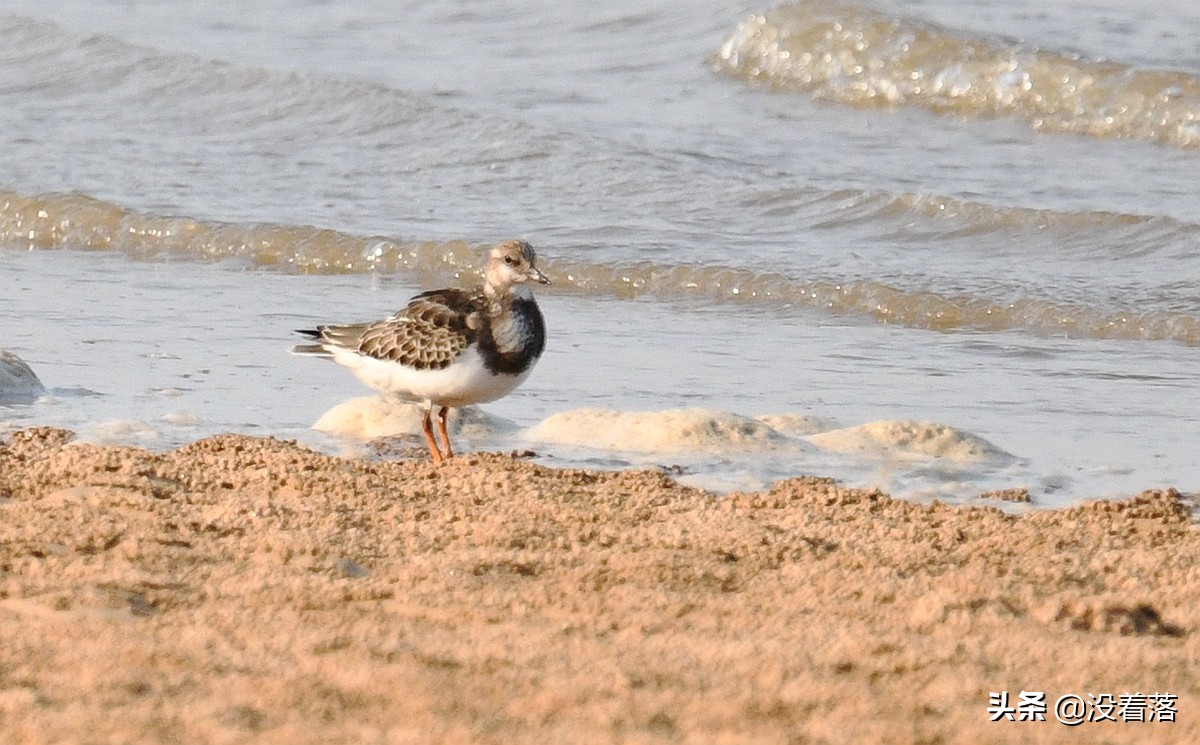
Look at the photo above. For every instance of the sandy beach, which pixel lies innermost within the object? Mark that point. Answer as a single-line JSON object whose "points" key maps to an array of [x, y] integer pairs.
{"points": [[241, 589]]}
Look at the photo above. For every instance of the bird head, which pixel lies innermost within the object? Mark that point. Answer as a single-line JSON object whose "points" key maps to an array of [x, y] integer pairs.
{"points": [[512, 263]]}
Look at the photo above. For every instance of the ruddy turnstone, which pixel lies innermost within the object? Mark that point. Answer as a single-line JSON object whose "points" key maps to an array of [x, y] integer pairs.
{"points": [[452, 347]]}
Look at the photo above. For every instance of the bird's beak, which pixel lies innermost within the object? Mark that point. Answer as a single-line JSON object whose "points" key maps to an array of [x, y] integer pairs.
{"points": [[536, 275]]}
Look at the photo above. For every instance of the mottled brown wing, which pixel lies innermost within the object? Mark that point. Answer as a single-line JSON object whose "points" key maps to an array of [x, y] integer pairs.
{"points": [[428, 334]]}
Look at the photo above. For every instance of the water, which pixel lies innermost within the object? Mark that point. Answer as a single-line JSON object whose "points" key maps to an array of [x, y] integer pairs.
{"points": [[769, 226]]}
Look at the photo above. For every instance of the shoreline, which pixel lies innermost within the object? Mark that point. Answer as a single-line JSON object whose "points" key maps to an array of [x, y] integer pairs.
{"points": [[246, 589]]}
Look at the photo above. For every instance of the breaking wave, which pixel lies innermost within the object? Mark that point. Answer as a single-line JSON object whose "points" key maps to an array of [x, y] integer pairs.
{"points": [[848, 54], [73, 221]]}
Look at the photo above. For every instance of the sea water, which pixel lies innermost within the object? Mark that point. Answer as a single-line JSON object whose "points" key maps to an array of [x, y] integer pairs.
{"points": [[934, 247]]}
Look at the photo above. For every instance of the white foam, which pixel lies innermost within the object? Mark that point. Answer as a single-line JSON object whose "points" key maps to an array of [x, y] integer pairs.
{"points": [[796, 425], [369, 417], [710, 449], [911, 440], [667, 431], [122, 432], [182, 418]]}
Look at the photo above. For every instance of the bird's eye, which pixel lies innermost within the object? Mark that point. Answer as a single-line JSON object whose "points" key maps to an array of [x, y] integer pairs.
{"points": [[510, 260]]}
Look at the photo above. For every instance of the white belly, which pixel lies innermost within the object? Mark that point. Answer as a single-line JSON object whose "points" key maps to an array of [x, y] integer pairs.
{"points": [[464, 382]]}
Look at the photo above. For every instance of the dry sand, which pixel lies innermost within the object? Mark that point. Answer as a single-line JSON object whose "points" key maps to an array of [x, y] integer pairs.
{"points": [[248, 590]]}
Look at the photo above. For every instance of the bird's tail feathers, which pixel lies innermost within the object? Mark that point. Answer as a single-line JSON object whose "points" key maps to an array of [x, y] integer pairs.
{"points": [[314, 349], [317, 349]]}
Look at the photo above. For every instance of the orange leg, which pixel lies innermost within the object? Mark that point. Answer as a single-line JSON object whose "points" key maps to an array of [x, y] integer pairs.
{"points": [[427, 429], [442, 430]]}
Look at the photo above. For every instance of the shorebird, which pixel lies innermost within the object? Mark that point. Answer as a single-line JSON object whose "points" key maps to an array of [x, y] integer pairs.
{"points": [[449, 348]]}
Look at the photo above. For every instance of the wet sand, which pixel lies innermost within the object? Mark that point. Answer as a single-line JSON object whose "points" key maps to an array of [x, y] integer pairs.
{"points": [[249, 590]]}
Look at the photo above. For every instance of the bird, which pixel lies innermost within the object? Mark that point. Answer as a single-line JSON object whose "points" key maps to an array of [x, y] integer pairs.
{"points": [[451, 347]]}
